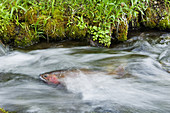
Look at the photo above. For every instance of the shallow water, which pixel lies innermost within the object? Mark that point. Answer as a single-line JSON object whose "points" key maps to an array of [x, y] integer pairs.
{"points": [[144, 89]]}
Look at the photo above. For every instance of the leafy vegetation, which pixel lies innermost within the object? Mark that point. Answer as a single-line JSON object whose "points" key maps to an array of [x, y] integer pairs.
{"points": [[24, 22]]}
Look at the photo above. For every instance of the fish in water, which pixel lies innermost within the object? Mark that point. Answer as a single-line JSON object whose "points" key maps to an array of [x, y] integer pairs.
{"points": [[52, 77], [55, 77]]}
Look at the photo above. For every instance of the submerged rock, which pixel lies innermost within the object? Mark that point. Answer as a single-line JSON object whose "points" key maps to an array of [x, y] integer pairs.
{"points": [[164, 59], [3, 49]]}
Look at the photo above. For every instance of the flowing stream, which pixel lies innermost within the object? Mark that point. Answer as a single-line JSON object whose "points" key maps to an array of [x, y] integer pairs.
{"points": [[144, 89]]}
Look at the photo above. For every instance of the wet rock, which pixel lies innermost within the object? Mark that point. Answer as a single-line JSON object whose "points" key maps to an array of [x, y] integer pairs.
{"points": [[165, 56], [164, 59], [103, 110], [3, 49]]}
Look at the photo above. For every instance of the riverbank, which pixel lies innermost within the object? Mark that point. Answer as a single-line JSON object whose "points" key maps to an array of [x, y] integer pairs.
{"points": [[100, 23]]}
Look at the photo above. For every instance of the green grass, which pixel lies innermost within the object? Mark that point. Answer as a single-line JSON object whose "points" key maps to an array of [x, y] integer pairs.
{"points": [[53, 19]]}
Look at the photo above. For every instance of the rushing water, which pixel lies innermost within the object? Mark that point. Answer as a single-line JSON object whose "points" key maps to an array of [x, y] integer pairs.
{"points": [[144, 89]]}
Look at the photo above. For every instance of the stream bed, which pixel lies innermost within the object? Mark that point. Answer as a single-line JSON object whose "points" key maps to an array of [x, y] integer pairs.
{"points": [[144, 89]]}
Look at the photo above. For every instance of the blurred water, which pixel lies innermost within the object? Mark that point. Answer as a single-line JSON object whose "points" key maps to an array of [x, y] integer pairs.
{"points": [[145, 89]]}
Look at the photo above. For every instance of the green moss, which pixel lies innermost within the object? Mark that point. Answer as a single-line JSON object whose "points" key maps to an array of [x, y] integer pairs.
{"points": [[26, 36], [54, 29], [75, 32], [57, 14], [122, 31], [157, 16], [9, 32], [164, 24], [31, 15], [11, 29], [55, 26], [150, 20], [150, 24]]}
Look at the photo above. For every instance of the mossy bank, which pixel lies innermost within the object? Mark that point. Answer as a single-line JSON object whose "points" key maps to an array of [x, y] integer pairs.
{"points": [[24, 23]]}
